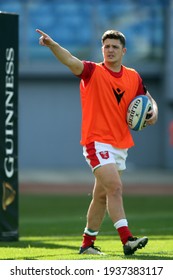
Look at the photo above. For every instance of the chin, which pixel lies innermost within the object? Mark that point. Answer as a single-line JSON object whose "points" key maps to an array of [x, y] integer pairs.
{"points": [[111, 61]]}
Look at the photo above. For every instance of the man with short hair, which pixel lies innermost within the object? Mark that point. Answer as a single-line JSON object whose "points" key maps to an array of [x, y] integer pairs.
{"points": [[106, 89]]}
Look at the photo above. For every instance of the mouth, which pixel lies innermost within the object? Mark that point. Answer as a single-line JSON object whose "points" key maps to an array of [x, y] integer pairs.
{"points": [[110, 56]]}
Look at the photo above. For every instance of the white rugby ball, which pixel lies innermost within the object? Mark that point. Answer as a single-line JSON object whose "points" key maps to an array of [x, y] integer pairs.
{"points": [[137, 112]]}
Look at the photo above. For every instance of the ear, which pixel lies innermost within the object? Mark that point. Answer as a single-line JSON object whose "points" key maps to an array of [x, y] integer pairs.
{"points": [[124, 51]]}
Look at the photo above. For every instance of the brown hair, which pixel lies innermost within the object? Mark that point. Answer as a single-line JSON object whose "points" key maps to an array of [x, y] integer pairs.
{"points": [[114, 34]]}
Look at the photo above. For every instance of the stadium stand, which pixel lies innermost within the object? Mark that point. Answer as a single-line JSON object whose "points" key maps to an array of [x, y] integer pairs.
{"points": [[76, 24]]}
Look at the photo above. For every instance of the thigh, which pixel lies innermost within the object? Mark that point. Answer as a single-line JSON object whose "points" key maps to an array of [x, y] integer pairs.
{"points": [[108, 176]]}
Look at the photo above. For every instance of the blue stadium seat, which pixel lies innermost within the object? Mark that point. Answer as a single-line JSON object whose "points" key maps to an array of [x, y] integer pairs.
{"points": [[75, 23]]}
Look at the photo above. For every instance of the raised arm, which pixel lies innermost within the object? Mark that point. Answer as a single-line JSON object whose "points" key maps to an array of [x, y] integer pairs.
{"points": [[64, 56]]}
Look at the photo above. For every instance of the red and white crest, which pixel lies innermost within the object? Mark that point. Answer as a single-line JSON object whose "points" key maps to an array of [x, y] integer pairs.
{"points": [[104, 155]]}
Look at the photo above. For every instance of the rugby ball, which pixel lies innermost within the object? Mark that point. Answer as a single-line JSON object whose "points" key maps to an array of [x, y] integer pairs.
{"points": [[137, 112]]}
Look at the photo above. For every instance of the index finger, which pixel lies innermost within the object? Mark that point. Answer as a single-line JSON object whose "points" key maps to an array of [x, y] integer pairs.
{"points": [[41, 33]]}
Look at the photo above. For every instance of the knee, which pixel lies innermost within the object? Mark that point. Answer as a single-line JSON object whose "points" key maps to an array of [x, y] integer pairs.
{"points": [[114, 188], [100, 197]]}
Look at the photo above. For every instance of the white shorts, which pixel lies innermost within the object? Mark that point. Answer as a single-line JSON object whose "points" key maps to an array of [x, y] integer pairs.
{"points": [[98, 154]]}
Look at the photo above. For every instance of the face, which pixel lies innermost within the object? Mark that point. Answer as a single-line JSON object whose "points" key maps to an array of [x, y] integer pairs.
{"points": [[113, 51]]}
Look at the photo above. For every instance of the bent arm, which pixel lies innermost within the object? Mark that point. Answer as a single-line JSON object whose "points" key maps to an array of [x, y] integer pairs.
{"points": [[153, 112], [64, 56]]}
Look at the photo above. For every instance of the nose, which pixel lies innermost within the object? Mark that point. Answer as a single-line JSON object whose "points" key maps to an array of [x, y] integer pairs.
{"points": [[110, 49]]}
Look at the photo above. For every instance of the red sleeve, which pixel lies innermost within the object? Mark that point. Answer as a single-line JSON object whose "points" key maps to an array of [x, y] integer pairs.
{"points": [[141, 88], [88, 70]]}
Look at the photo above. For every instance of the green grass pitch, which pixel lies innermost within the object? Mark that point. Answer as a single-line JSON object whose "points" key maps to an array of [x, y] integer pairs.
{"points": [[51, 228]]}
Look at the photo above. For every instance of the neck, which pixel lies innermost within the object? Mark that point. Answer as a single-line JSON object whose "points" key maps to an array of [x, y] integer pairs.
{"points": [[113, 66]]}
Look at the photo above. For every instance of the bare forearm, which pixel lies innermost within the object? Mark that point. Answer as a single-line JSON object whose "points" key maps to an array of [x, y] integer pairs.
{"points": [[155, 107], [66, 58], [154, 111], [63, 55]]}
